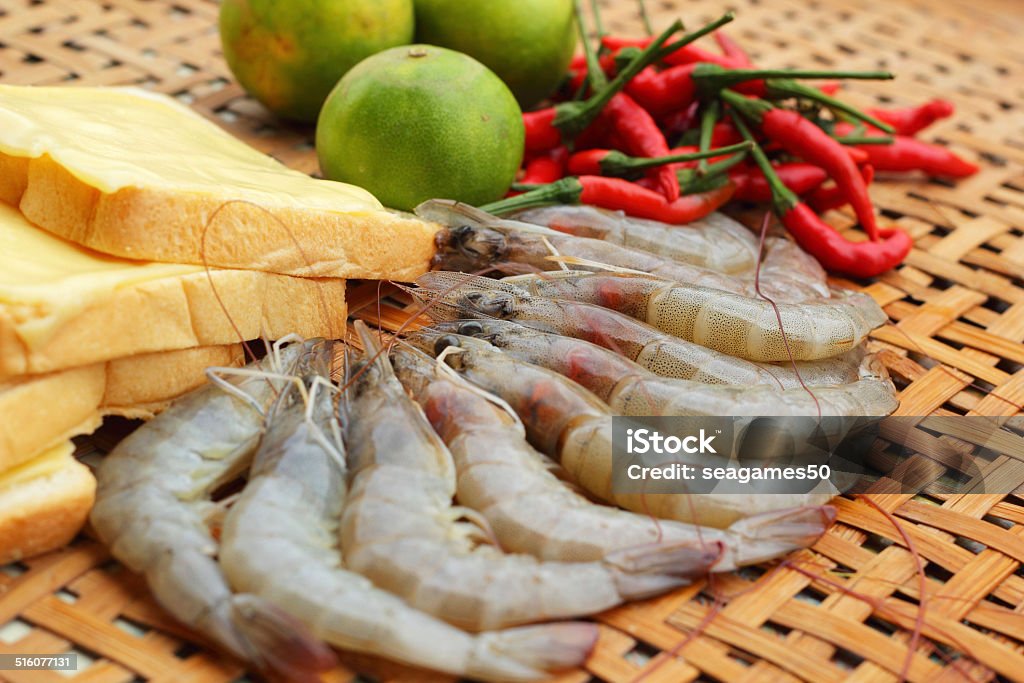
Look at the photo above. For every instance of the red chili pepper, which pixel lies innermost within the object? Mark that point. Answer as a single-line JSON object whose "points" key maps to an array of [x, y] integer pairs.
{"points": [[912, 120], [541, 135], [839, 255], [724, 133], [801, 137], [641, 137], [664, 92], [830, 88], [821, 240], [618, 195], [732, 50], [614, 162], [579, 74], [800, 178], [828, 198], [546, 168], [857, 155], [910, 154]]}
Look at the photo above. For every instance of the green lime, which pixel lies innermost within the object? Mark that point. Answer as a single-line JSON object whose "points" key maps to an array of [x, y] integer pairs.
{"points": [[421, 122], [288, 55], [528, 43]]}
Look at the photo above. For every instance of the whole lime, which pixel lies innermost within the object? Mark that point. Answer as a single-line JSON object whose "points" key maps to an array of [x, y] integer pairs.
{"points": [[288, 55], [421, 122], [528, 43]]}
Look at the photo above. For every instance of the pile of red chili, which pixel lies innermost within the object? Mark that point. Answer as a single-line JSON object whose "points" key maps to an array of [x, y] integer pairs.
{"points": [[661, 128]]}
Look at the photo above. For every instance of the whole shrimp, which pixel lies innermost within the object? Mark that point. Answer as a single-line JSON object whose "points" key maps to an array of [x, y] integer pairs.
{"points": [[570, 424], [745, 327], [716, 241], [533, 511], [153, 503], [400, 530], [476, 241], [280, 541], [453, 296], [630, 389]]}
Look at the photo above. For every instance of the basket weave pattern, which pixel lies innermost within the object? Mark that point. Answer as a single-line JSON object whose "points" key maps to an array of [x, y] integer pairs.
{"points": [[861, 605]]}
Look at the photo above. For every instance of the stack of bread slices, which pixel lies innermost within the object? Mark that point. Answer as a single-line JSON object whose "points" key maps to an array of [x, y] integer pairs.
{"points": [[139, 245]]}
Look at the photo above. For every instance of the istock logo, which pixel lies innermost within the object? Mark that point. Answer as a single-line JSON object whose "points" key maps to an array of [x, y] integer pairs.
{"points": [[645, 441]]}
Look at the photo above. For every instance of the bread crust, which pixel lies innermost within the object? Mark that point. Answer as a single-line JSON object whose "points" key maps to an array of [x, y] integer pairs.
{"points": [[171, 226], [178, 313], [43, 410], [45, 513]]}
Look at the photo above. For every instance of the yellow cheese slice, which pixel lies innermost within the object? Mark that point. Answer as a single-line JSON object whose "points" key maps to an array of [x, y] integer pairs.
{"points": [[113, 138], [46, 463], [45, 280]]}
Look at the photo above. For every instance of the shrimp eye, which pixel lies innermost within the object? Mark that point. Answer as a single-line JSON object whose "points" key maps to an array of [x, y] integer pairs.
{"points": [[444, 341], [471, 328]]}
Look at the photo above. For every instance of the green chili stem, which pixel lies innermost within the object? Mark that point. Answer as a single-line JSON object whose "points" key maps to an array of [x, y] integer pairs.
{"points": [[646, 19], [708, 119], [691, 183], [595, 74], [863, 140], [617, 163], [783, 199], [564, 191], [790, 88]]}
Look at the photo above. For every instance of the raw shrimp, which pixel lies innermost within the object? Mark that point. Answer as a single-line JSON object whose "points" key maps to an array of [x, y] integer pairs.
{"points": [[572, 425], [630, 389], [475, 241], [280, 541], [533, 511], [456, 295], [399, 527], [716, 241], [740, 326], [153, 503]]}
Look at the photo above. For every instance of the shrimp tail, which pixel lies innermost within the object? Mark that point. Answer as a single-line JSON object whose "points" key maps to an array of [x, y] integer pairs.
{"points": [[685, 559], [531, 652], [279, 642], [772, 534]]}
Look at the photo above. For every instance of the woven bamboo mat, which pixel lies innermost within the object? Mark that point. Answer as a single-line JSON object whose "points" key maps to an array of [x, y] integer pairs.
{"points": [[860, 606]]}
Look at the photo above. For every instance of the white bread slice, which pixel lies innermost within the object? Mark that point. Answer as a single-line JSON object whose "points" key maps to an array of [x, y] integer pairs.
{"points": [[44, 503], [138, 175], [40, 411], [64, 306]]}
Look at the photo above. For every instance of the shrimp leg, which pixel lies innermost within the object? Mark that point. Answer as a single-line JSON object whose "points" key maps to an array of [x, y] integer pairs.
{"points": [[151, 510], [533, 511]]}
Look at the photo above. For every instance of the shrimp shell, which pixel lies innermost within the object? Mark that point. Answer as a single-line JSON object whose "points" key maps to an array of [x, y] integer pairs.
{"points": [[570, 424], [452, 296], [280, 541], [400, 530], [739, 326], [473, 245], [153, 502], [630, 389], [533, 511]]}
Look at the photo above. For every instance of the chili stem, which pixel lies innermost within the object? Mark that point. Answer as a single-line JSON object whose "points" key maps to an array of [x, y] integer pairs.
{"points": [[708, 120], [790, 88], [616, 163], [863, 140], [598, 24], [595, 74], [564, 191], [691, 183], [646, 19], [783, 199]]}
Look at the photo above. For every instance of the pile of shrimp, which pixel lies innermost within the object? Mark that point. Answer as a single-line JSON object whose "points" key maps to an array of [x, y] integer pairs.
{"points": [[449, 503]]}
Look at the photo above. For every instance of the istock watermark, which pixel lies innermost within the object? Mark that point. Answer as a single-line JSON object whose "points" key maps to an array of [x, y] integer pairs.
{"points": [[760, 454]]}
